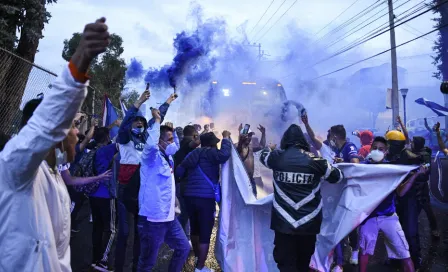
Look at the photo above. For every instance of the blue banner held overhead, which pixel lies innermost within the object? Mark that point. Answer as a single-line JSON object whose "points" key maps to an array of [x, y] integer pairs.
{"points": [[438, 109], [109, 116]]}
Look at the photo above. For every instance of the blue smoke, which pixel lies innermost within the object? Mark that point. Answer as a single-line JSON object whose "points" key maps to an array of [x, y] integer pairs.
{"points": [[194, 62], [158, 77], [135, 69]]}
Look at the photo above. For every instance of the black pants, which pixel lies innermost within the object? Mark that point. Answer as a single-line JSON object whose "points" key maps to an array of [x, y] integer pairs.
{"points": [[127, 227], [292, 253], [408, 210], [201, 212], [104, 227], [78, 199]]}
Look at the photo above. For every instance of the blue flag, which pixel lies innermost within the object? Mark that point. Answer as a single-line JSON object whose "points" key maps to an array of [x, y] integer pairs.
{"points": [[109, 116], [438, 109]]}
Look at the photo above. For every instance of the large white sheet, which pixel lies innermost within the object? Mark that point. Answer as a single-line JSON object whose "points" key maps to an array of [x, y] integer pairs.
{"points": [[245, 240]]}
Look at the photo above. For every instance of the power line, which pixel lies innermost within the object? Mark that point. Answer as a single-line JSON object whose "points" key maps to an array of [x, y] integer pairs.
{"points": [[359, 27], [371, 34], [269, 19], [379, 34], [277, 20], [352, 20], [383, 52], [340, 14], [414, 33], [262, 16]]}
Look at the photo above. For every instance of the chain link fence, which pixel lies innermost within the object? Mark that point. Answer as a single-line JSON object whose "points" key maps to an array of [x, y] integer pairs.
{"points": [[21, 81]]}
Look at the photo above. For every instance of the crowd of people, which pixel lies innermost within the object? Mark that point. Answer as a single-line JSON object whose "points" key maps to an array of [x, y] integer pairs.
{"points": [[160, 184]]}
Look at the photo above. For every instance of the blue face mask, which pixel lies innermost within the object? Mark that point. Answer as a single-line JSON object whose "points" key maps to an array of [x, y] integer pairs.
{"points": [[138, 130]]}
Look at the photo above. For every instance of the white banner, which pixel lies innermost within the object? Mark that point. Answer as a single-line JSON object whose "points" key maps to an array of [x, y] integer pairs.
{"points": [[245, 240]]}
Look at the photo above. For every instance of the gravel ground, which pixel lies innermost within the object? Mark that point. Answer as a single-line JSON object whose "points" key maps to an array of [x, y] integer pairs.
{"points": [[435, 252]]}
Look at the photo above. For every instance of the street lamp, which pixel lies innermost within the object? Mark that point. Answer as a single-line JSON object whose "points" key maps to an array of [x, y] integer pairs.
{"points": [[404, 92]]}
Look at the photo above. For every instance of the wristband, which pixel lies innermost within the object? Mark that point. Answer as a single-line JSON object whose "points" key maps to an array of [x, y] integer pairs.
{"points": [[78, 76]]}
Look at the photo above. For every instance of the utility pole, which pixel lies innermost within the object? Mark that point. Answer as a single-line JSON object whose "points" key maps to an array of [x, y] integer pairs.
{"points": [[393, 53], [259, 51]]}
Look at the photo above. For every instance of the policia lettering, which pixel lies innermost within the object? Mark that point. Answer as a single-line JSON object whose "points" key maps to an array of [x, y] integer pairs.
{"points": [[291, 177]]}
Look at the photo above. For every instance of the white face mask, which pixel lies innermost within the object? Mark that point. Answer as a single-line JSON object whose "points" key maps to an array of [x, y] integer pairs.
{"points": [[332, 143], [171, 149], [376, 155], [61, 157]]}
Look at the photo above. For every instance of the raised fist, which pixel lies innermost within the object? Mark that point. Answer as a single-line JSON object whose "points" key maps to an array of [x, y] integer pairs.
{"points": [[94, 41]]}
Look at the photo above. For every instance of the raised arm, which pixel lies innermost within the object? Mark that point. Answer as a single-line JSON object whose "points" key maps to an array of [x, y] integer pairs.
{"points": [[440, 140], [427, 126], [316, 142], [89, 136], [151, 148], [126, 125], [262, 140], [404, 130], [163, 109], [52, 120]]}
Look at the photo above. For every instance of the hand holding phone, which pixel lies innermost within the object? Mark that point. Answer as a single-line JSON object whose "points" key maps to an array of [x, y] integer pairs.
{"points": [[246, 129]]}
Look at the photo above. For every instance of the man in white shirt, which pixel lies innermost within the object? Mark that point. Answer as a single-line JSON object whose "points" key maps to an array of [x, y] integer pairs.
{"points": [[35, 213], [157, 223]]}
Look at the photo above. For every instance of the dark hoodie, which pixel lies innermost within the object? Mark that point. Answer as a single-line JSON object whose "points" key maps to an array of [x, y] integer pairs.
{"points": [[131, 144], [297, 176], [209, 159]]}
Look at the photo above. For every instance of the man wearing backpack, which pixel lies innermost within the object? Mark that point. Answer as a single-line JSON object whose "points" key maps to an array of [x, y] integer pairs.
{"points": [[102, 201], [132, 137]]}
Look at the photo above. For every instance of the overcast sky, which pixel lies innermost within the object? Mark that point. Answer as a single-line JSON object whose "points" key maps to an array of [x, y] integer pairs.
{"points": [[148, 27]]}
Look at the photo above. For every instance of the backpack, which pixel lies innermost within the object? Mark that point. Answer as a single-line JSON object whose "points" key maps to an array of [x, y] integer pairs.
{"points": [[86, 168]]}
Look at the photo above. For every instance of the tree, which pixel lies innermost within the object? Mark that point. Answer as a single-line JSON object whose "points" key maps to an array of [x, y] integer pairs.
{"points": [[27, 18], [131, 97], [441, 44], [107, 72]]}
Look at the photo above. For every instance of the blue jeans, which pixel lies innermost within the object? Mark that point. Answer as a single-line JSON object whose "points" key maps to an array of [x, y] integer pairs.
{"points": [[153, 235], [127, 227]]}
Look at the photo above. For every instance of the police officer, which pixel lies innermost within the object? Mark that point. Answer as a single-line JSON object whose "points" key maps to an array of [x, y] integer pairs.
{"points": [[297, 206]]}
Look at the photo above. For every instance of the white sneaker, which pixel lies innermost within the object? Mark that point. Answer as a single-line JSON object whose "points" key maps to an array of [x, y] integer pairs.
{"points": [[337, 268], [204, 269], [354, 258]]}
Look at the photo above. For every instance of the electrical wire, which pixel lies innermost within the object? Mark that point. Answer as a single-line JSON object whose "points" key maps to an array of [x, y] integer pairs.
{"points": [[415, 33], [380, 28], [262, 16], [359, 27], [380, 33], [269, 19], [380, 53], [352, 19], [277, 20], [340, 14]]}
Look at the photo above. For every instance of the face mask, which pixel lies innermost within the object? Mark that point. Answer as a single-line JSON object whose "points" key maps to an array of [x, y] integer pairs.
{"points": [[376, 155], [171, 149], [61, 157], [332, 143], [138, 130]]}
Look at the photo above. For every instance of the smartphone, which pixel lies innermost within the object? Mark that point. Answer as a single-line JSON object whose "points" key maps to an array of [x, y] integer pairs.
{"points": [[246, 129], [147, 86]]}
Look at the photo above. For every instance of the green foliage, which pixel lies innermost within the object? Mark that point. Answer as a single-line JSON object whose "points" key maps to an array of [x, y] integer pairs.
{"points": [[441, 44], [107, 72], [26, 17], [131, 97]]}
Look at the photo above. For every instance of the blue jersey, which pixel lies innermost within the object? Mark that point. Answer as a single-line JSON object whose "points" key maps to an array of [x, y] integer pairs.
{"points": [[387, 206], [347, 152]]}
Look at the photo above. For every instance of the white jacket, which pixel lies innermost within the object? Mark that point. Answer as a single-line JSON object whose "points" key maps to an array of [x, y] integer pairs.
{"points": [[157, 195], [35, 205]]}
